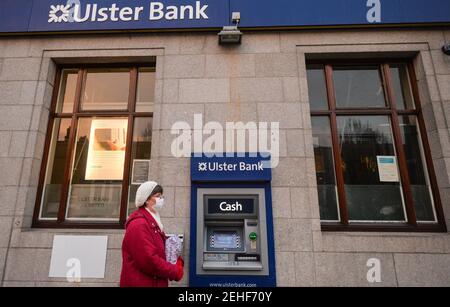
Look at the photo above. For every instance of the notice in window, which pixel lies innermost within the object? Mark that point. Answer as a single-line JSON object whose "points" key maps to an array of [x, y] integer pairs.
{"points": [[106, 153], [387, 169], [141, 169]]}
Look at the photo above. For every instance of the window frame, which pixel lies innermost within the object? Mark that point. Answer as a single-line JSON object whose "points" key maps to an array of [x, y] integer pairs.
{"points": [[74, 116], [411, 225]]}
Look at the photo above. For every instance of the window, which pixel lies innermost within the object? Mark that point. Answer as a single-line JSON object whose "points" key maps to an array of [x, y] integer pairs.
{"points": [[98, 146], [373, 166]]}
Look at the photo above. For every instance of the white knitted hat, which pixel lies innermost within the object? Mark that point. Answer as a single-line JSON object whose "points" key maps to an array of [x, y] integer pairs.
{"points": [[144, 191]]}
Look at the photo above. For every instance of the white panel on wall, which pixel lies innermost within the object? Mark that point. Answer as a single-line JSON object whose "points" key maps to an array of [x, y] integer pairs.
{"points": [[76, 257]]}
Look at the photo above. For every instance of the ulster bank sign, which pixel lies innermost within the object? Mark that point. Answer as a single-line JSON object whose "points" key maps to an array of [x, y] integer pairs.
{"points": [[75, 11], [56, 16], [40, 16]]}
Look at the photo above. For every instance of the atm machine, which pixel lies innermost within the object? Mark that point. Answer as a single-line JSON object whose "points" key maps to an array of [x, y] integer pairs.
{"points": [[231, 239]]}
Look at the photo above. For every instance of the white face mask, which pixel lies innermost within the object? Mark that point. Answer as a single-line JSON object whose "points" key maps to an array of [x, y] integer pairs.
{"points": [[159, 204]]}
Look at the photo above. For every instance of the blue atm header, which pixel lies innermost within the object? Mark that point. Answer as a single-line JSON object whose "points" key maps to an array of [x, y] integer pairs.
{"points": [[233, 168], [39, 16]]}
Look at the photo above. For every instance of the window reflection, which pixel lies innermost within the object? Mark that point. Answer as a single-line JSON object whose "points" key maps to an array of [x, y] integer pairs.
{"points": [[326, 179], [401, 85], [146, 90], [66, 97], [420, 187], [55, 168], [317, 87], [106, 89], [140, 157], [371, 193], [372, 188], [358, 87], [97, 171]]}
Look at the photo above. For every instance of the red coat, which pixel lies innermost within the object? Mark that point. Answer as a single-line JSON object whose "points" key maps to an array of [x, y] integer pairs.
{"points": [[143, 253]]}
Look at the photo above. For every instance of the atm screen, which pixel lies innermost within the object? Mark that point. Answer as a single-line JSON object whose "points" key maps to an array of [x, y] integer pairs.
{"points": [[225, 240]]}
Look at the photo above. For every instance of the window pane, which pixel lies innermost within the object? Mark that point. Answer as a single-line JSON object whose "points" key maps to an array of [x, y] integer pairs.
{"points": [[317, 88], [67, 89], [371, 175], [97, 171], [146, 90], [106, 89], [326, 179], [420, 185], [55, 168], [140, 157], [402, 87], [358, 87]]}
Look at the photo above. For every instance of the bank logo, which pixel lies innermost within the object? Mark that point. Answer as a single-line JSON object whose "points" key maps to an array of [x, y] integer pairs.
{"points": [[202, 167], [59, 13]]}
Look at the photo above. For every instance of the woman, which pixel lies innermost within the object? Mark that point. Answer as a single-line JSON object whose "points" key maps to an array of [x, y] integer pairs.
{"points": [[143, 249]]}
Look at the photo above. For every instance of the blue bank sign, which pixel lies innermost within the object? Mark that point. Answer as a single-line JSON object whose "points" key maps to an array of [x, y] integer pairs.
{"points": [[37, 16], [231, 167]]}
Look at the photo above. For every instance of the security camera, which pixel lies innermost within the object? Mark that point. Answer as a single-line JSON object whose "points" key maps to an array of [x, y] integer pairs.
{"points": [[236, 17], [446, 49]]}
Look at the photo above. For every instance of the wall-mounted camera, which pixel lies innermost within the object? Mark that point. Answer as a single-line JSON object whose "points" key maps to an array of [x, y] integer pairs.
{"points": [[446, 49]]}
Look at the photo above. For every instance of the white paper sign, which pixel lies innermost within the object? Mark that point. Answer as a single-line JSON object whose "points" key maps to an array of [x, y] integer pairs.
{"points": [[106, 153], [77, 257], [387, 169]]}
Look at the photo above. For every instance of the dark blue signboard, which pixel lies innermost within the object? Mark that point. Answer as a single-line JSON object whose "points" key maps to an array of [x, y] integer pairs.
{"points": [[234, 168], [316, 13], [131, 15], [37, 16]]}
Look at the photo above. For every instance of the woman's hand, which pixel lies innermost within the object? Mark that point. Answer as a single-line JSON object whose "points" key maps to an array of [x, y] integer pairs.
{"points": [[180, 266]]}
